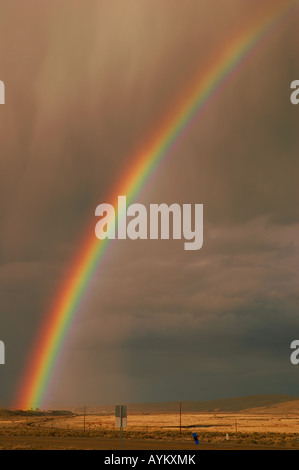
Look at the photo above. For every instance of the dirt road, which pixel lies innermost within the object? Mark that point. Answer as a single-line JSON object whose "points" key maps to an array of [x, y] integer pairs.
{"points": [[69, 443]]}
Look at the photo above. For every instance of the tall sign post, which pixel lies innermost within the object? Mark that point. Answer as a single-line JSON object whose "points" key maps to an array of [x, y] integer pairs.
{"points": [[121, 420]]}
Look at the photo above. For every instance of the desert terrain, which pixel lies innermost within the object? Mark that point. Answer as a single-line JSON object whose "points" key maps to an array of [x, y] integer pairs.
{"points": [[270, 422]]}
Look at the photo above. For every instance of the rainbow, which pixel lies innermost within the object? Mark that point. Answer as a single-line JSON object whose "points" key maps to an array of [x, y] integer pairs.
{"points": [[145, 163]]}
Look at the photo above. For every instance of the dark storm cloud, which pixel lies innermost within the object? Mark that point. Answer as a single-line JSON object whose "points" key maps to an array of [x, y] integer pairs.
{"points": [[86, 85], [224, 311]]}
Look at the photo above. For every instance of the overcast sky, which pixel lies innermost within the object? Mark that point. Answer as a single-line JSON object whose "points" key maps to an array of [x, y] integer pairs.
{"points": [[86, 84]]}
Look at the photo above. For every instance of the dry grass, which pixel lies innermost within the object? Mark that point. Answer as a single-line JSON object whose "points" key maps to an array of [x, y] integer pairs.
{"points": [[240, 428], [209, 422]]}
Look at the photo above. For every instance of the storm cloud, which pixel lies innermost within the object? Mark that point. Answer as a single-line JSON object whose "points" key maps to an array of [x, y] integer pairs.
{"points": [[87, 83]]}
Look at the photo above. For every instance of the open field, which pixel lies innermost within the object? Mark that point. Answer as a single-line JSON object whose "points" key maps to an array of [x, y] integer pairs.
{"points": [[230, 423], [275, 425]]}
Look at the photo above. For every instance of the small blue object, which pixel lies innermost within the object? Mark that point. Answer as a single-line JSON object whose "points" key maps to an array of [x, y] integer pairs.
{"points": [[195, 438]]}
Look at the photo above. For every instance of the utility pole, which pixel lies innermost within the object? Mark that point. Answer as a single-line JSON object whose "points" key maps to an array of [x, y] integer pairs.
{"points": [[180, 418], [84, 417]]}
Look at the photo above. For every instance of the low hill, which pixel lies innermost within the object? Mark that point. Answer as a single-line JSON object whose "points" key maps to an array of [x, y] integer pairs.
{"points": [[222, 405], [285, 408], [252, 403], [8, 414], [225, 405]]}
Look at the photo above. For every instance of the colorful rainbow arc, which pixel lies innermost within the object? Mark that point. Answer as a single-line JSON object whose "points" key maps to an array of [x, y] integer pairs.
{"points": [[66, 307]]}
